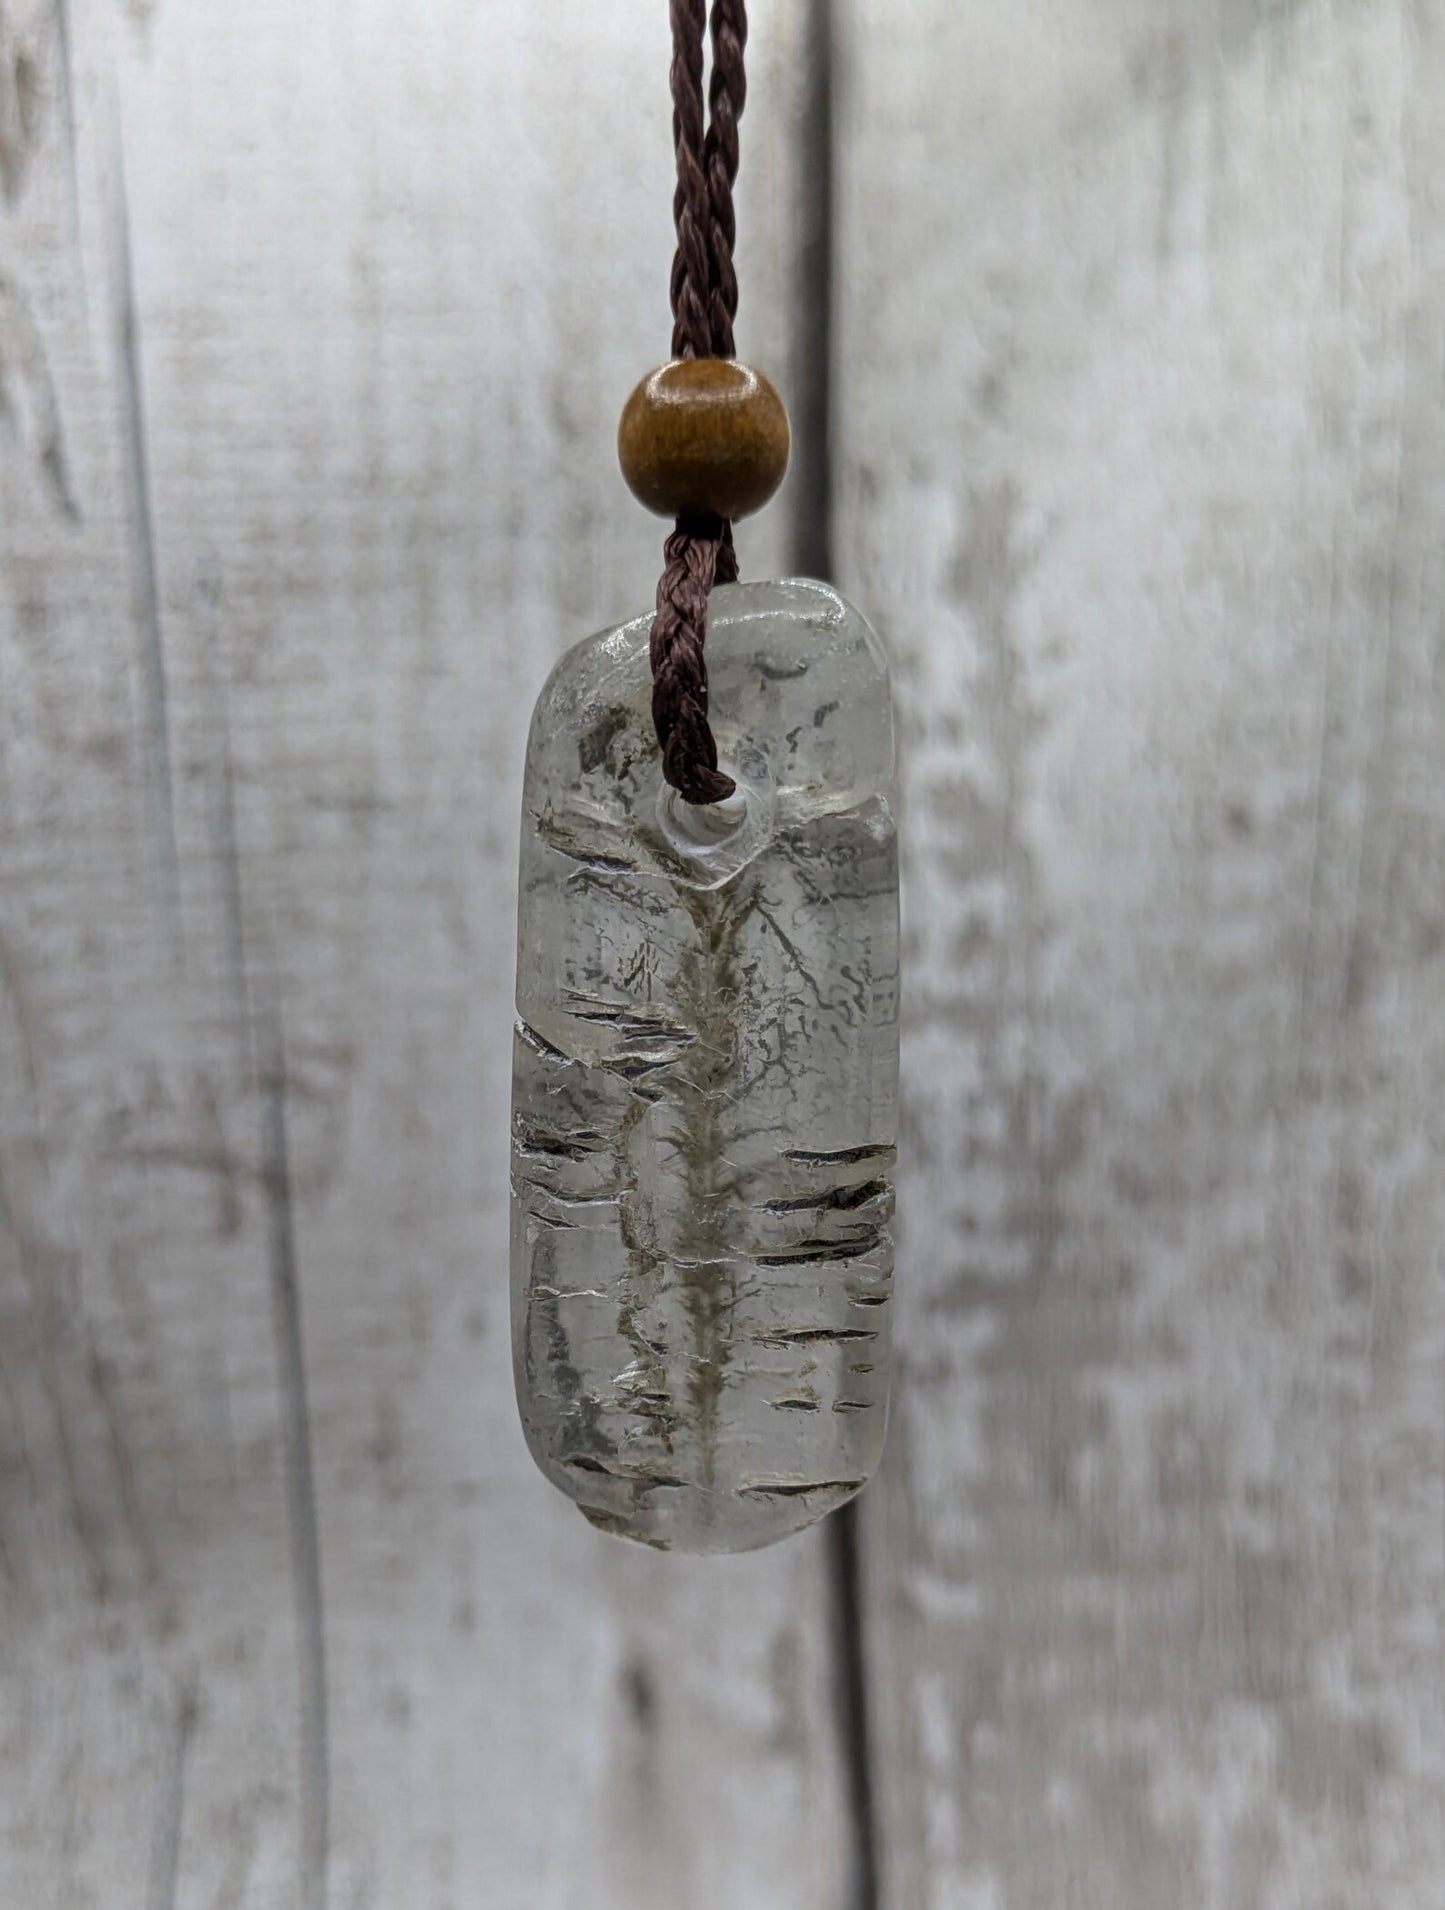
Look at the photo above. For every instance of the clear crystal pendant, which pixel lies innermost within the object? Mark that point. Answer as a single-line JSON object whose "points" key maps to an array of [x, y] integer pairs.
{"points": [[705, 1083]]}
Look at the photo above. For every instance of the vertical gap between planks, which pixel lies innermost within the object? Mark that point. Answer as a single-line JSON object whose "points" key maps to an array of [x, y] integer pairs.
{"points": [[812, 395], [151, 660], [813, 557], [850, 1680], [296, 1445], [264, 1049]]}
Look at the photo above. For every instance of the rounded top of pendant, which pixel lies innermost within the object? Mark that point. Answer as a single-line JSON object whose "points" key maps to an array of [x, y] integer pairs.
{"points": [[704, 437]]}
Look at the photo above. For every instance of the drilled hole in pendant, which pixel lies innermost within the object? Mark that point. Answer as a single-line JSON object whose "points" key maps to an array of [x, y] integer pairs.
{"points": [[704, 826], [717, 839]]}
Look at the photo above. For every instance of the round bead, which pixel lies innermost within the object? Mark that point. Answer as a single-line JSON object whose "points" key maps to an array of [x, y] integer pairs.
{"points": [[704, 436]]}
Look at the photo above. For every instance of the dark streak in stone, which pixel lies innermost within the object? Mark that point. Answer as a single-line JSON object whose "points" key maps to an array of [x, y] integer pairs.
{"points": [[560, 1199], [554, 1147], [840, 1156], [593, 861], [628, 1021], [634, 1067], [596, 742], [821, 1250], [629, 1475], [815, 1335], [790, 947], [620, 1527], [597, 864], [539, 1043], [802, 1489], [842, 1198], [557, 1226]]}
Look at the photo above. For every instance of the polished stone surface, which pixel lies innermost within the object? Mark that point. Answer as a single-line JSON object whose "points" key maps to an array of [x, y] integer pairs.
{"points": [[705, 1084]]}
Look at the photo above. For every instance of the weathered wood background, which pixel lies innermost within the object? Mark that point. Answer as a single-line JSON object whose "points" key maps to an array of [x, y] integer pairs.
{"points": [[314, 324]]}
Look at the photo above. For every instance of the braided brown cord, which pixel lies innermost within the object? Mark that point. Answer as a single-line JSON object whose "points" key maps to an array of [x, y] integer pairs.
{"points": [[727, 95], [691, 204], [679, 674], [700, 552]]}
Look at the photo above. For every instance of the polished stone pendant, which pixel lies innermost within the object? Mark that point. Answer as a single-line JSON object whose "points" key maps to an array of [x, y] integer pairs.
{"points": [[705, 1083]]}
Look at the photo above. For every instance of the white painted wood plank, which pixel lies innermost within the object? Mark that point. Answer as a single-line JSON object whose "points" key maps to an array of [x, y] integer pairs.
{"points": [[1141, 463], [316, 326]]}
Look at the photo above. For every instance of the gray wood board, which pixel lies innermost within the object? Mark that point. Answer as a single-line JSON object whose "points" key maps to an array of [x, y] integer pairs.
{"points": [[1141, 466], [314, 327]]}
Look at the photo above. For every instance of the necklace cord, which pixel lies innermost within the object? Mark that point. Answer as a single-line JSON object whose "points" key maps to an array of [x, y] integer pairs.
{"points": [[699, 552]]}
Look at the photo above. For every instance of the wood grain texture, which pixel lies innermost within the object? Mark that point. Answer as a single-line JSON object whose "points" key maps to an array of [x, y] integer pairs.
{"points": [[1141, 463], [314, 326]]}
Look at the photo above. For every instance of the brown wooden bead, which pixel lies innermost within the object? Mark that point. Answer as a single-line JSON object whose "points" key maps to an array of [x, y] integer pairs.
{"points": [[704, 436]]}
